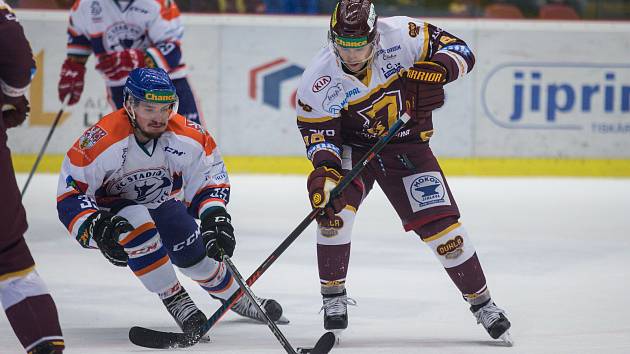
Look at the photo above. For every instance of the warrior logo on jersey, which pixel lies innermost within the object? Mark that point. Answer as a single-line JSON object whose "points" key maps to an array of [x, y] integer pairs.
{"points": [[91, 137], [121, 36], [426, 190], [142, 186]]}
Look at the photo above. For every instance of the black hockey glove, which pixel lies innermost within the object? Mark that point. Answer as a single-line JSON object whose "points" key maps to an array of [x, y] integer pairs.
{"points": [[424, 90], [218, 234], [105, 228]]}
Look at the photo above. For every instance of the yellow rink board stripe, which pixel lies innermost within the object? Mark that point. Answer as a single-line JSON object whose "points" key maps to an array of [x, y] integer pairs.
{"points": [[451, 166]]}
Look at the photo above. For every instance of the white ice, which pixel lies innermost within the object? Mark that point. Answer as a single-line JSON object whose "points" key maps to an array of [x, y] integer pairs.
{"points": [[556, 253]]}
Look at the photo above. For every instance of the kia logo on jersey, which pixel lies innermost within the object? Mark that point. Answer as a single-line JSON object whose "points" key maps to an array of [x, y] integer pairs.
{"points": [[321, 83]]}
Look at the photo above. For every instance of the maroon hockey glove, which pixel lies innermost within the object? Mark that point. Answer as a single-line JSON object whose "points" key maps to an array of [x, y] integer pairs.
{"points": [[118, 65], [424, 90], [71, 81], [105, 228], [217, 233], [319, 184], [15, 111]]}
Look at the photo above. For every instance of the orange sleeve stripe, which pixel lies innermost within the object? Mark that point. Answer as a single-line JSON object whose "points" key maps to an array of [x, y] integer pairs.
{"points": [[170, 12], [178, 125], [115, 125], [210, 201], [153, 266], [75, 6], [66, 195], [137, 232], [79, 216]]}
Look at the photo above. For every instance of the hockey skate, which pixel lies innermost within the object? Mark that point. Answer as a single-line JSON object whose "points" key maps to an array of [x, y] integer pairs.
{"points": [[494, 321], [184, 311], [336, 312], [246, 308]]}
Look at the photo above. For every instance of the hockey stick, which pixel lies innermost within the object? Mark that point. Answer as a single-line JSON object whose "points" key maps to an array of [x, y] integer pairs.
{"points": [[323, 345], [250, 295], [150, 338], [43, 149]]}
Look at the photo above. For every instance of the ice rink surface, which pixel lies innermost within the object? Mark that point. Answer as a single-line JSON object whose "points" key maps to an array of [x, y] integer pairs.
{"points": [[556, 253]]}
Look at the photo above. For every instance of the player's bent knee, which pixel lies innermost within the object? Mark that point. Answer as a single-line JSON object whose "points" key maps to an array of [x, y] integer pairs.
{"points": [[339, 230], [17, 289], [451, 245], [137, 215]]}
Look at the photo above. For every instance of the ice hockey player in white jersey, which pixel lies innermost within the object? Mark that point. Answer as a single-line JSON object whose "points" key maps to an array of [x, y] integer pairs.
{"points": [[354, 90], [124, 35], [116, 194]]}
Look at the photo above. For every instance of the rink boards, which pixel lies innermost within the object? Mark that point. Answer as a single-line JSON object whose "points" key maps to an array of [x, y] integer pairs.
{"points": [[545, 98]]}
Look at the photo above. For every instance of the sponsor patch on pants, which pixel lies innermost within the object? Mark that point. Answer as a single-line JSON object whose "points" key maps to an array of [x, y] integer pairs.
{"points": [[426, 190]]}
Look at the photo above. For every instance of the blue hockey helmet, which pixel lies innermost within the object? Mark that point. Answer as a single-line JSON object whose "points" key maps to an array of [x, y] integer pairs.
{"points": [[150, 85]]}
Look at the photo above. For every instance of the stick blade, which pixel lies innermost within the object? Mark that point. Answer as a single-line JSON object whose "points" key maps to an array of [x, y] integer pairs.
{"points": [[150, 338], [323, 346]]}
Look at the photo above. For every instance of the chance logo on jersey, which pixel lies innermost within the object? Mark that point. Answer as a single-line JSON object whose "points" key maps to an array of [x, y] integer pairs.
{"points": [[426, 190], [142, 186]]}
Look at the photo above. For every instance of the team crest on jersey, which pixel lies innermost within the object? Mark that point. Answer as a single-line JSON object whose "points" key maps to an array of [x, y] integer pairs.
{"points": [[121, 36], [143, 186], [91, 137], [95, 9], [426, 190]]}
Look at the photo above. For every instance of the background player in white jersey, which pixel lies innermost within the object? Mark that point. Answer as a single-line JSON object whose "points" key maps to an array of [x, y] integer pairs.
{"points": [[124, 35], [353, 91], [24, 296], [116, 193]]}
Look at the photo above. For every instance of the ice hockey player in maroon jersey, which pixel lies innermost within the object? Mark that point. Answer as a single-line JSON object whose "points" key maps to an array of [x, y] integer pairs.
{"points": [[373, 71], [24, 296]]}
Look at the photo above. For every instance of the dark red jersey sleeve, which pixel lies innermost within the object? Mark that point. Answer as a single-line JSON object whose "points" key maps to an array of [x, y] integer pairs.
{"points": [[16, 62]]}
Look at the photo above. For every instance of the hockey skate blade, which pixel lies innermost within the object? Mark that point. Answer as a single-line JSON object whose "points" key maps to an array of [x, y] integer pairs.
{"points": [[507, 339], [283, 320], [323, 346]]}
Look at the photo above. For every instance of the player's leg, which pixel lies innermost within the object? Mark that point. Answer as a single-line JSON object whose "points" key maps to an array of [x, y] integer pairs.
{"points": [[187, 102], [115, 97], [24, 296], [333, 248], [150, 262], [181, 236], [416, 187]]}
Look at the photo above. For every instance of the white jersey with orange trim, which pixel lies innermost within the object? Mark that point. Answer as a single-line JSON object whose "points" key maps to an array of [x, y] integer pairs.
{"points": [[335, 108], [108, 26], [108, 168]]}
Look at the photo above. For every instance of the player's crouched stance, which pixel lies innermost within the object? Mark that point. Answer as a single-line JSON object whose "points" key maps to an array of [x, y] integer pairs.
{"points": [[116, 193]]}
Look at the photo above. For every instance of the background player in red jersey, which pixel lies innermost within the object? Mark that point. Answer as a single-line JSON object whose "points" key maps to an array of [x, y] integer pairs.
{"points": [[124, 35], [353, 91], [24, 296]]}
